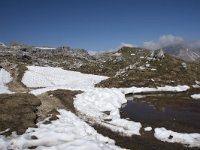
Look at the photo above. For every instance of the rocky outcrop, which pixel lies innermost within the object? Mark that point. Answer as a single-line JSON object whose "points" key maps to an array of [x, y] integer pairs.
{"points": [[158, 54]]}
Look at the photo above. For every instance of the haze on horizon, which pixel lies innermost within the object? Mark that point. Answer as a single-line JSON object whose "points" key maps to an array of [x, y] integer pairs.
{"points": [[100, 25]]}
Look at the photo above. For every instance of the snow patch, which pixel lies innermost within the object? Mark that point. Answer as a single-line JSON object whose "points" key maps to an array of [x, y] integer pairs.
{"points": [[148, 129], [51, 78], [197, 85], [4, 79], [195, 96], [68, 132], [2, 132], [190, 139], [184, 65], [102, 106], [178, 88], [117, 54], [45, 48], [197, 82], [141, 68], [147, 65]]}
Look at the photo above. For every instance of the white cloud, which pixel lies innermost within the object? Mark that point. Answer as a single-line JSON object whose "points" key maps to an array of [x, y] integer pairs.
{"points": [[127, 45], [151, 45], [113, 49], [119, 47], [167, 40], [171, 40], [194, 45]]}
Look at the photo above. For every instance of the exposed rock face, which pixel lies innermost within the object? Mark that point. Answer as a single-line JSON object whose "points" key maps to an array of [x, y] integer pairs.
{"points": [[189, 55], [158, 54]]}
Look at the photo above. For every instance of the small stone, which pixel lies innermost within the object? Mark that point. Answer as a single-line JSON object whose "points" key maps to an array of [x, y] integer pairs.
{"points": [[170, 137], [34, 137]]}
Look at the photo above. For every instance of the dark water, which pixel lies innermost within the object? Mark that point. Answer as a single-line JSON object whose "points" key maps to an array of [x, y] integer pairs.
{"points": [[179, 113]]}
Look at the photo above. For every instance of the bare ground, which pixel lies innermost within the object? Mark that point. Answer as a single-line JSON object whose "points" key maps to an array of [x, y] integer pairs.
{"points": [[18, 112], [17, 71], [144, 142], [53, 100]]}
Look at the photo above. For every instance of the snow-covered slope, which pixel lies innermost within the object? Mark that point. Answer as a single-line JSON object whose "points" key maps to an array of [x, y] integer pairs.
{"points": [[67, 133], [4, 79], [50, 78]]}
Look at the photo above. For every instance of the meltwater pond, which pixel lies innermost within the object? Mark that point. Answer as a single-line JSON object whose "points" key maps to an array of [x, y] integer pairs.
{"points": [[177, 112]]}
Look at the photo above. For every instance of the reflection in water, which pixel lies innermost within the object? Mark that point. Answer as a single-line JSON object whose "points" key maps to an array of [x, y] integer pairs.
{"points": [[172, 112]]}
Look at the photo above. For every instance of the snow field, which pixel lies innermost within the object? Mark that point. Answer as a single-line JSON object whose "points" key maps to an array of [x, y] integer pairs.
{"points": [[102, 106], [51, 78], [4, 79], [68, 132], [97, 104]]}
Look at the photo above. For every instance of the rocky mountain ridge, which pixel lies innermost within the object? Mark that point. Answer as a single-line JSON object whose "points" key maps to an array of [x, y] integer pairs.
{"points": [[183, 52], [125, 67], [61, 56]]}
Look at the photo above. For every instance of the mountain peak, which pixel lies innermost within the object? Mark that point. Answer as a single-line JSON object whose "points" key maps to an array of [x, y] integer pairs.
{"points": [[2, 44]]}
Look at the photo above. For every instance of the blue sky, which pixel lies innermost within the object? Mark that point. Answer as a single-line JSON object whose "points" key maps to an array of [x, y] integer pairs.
{"points": [[97, 24]]}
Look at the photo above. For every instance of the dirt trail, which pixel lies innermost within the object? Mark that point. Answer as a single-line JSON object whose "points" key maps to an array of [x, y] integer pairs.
{"points": [[17, 71]]}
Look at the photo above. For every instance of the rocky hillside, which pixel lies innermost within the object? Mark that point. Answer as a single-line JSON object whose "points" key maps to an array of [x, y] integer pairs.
{"points": [[126, 67], [182, 52], [62, 56], [145, 68]]}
